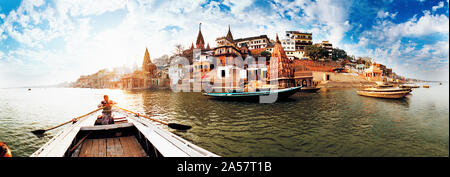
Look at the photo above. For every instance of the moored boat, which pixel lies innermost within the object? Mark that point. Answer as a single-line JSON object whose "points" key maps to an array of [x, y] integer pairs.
{"points": [[425, 86], [309, 89], [396, 94], [129, 136], [384, 85], [255, 96], [408, 86], [387, 89]]}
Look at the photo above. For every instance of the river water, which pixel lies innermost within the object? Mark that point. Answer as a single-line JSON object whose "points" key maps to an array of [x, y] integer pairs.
{"points": [[331, 122]]}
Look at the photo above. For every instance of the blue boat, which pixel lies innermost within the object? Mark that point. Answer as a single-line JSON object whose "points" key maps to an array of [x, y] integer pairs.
{"points": [[262, 96]]}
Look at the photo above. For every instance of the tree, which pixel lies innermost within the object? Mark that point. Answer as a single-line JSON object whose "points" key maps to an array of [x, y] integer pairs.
{"points": [[315, 52], [266, 55], [178, 49], [338, 54], [162, 61]]}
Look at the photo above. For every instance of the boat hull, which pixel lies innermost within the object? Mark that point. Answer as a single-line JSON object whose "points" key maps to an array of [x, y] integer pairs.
{"points": [[260, 96], [309, 89], [387, 89], [409, 86], [391, 95]]}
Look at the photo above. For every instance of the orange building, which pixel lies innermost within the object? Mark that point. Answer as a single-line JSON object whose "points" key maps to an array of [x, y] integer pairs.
{"points": [[280, 63]]}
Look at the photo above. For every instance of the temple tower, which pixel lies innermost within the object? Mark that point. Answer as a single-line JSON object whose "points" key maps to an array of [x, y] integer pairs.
{"points": [[200, 44], [147, 66]]}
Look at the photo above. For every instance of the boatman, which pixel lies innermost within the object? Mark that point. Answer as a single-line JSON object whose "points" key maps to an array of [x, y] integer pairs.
{"points": [[106, 117], [4, 150]]}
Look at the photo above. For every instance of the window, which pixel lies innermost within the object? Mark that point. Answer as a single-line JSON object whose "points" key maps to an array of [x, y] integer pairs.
{"points": [[223, 73]]}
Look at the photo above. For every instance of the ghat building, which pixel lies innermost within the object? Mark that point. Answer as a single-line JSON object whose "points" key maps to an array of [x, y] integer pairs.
{"points": [[234, 75], [148, 77], [280, 68]]}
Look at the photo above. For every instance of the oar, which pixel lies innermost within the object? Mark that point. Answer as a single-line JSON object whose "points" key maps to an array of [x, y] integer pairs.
{"points": [[41, 131], [171, 125]]}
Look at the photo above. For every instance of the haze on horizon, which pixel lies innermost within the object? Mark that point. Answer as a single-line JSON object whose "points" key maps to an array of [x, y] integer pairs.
{"points": [[50, 42]]}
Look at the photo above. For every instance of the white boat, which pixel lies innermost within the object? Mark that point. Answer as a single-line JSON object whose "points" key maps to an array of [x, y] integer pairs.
{"points": [[387, 89], [129, 136], [395, 95]]}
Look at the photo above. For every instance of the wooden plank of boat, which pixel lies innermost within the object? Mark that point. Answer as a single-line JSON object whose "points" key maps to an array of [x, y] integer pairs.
{"points": [[59, 144], [106, 127], [166, 143], [383, 94]]}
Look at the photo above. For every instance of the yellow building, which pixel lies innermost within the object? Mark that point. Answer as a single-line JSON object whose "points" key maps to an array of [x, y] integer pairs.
{"points": [[373, 73]]}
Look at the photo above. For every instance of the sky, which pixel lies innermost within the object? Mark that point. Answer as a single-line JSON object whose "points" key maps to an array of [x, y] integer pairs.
{"points": [[49, 42]]}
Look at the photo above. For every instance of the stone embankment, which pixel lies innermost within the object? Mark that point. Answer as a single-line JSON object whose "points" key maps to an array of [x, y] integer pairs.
{"points": [[341, 80]]}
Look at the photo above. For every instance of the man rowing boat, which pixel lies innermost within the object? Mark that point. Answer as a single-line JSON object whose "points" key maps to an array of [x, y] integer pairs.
{"points": [[106, 117]]}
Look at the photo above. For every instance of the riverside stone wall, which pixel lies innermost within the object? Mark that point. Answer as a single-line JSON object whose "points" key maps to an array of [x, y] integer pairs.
{"points": [[330, 79]]}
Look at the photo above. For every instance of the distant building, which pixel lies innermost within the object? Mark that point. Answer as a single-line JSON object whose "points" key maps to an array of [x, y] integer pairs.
{"points": [[294, 44], [374, 73], [256, 42], [225, 40], [302, 39], [149, 77], [289, 47]]}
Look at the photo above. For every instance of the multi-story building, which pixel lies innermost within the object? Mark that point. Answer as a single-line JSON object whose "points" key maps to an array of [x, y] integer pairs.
{"points": [[302, 39], [256, 42], [294, 44]]}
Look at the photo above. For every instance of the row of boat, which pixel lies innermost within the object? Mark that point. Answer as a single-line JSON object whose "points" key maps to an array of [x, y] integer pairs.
{"points": [[388, 91]]}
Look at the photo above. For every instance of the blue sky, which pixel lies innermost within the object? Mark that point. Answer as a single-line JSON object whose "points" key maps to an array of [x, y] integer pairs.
{"points": [[48, 42]]}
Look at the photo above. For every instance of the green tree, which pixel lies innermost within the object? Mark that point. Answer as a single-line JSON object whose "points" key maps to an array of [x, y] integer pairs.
{"points": [[338, 54], [315, 52], [266, 54]]}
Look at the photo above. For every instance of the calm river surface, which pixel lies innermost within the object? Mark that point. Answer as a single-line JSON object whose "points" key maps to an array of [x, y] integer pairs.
{"points": [[332, 122]]}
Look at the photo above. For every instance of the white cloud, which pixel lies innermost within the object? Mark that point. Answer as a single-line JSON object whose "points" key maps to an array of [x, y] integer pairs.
{"points": [[440, 5], [428, 62], [331, 17], [89, 7], [382, 14], [83, 49], [387, 32]]}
